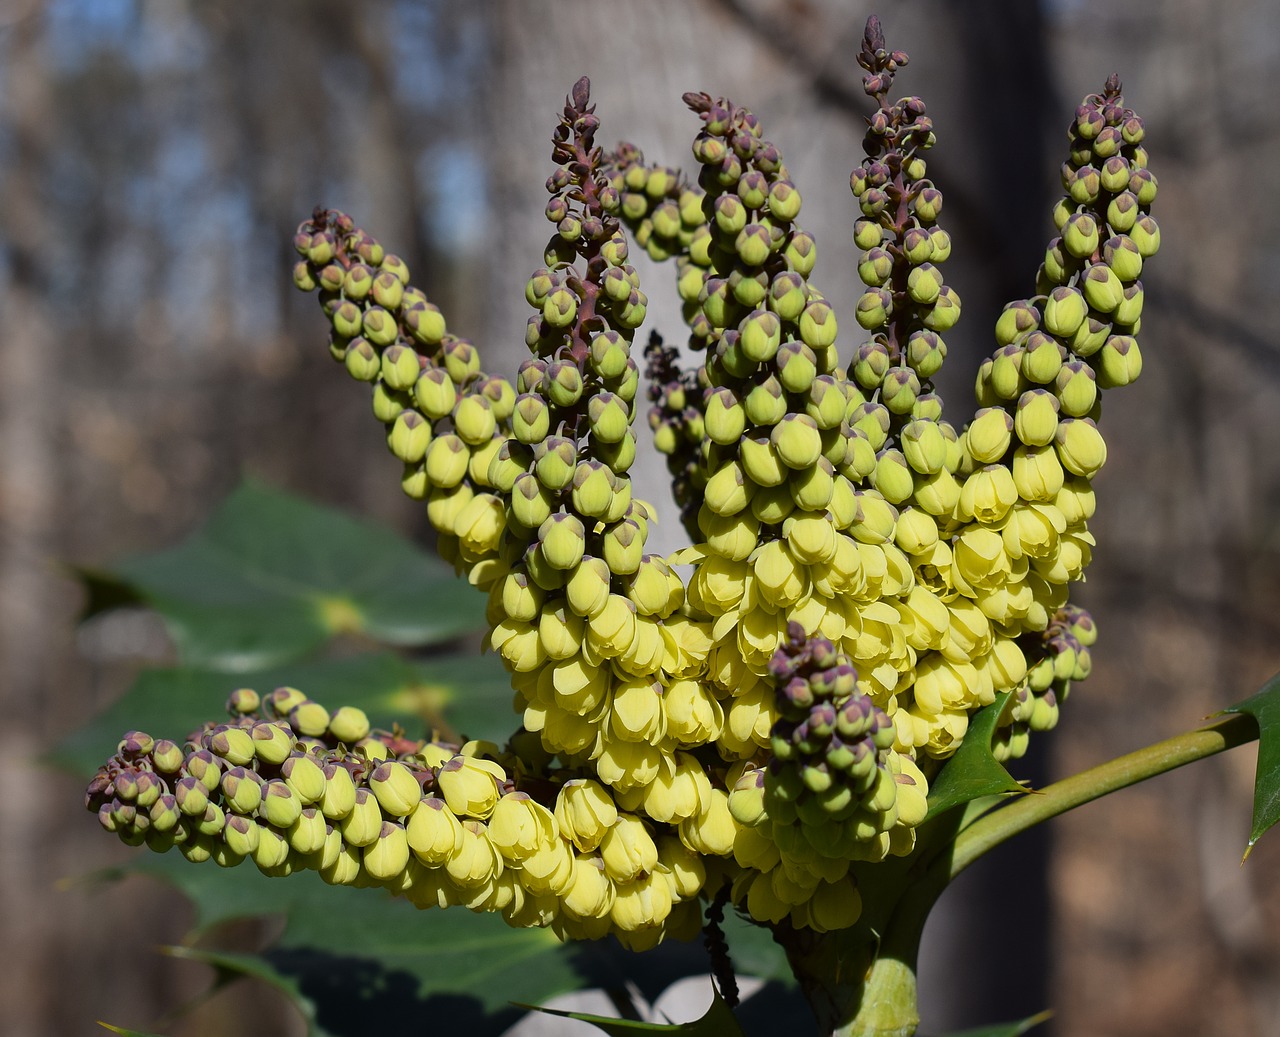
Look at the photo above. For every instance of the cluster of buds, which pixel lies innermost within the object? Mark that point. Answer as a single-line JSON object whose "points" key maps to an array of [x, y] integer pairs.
{"points": [[292, 787], [864, 575]]}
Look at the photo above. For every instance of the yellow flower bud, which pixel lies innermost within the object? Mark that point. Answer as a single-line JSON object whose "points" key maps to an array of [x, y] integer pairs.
{"points": [[627, 849], [520, 826], [980, 560], [387, 856], [362, 826], [584, 811], [476, 860], [590, 893], [678, 790], [625, 764], [1080, 447], [694, 714], [1037, 473], [611, 631], [987, 495], [713, 829], [641, 904], [470, 786], [433, 832], [989, 435]]}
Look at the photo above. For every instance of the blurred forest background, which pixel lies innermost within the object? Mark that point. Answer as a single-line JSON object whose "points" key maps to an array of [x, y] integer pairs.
{"points": [[155, 156]]}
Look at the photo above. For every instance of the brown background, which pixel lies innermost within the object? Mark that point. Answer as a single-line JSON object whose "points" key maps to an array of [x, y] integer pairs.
{"points": [[154, 157]]}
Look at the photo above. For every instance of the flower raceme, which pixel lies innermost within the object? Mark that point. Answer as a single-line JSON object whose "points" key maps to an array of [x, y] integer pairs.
{"points": [[747, 717]]}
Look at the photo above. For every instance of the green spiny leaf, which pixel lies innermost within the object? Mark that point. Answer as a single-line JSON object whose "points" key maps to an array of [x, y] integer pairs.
{"points": [[973, 771], [1264, 707], [1007, 1029], [718, 1022], [271, 577]]}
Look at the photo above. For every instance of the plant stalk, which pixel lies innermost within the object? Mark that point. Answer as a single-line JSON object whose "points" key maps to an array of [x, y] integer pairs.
{"points": [[992, 829]]}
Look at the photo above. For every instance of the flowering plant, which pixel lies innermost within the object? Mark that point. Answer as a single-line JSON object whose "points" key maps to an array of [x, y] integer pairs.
{"points": [[801, 716]]}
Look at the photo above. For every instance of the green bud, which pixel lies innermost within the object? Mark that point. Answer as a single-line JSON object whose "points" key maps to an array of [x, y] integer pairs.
{"points": [[609, 416], [728, 490], [1146, 235], [530, 502], [305, 776], [924, 283], [435, 393], [191, 796], [362, 361], [560, 308], [759, 335], [1121, 254], [801, 252], [233, 744], [870, 364], [241, 790], [349, 724], [867, 234], [1036, 418], [899, 390], [1129, 311], [874, 308], [923, 446], [827, 402], [765, 404], [339, 797], [797, 441], [409, 436], [609, 354], [310, 719], [753, 244], [1042, 358], [563, 383], [363, 824], [925, 353], [892, 476], [989, 435], [241, 835], [784, 200], [379, 327], [1007, 379], [309, 833], [877, 267], [945, 311], [563, 540], [401, 367], [281, 806], [818, 325], [474, 421], [928, 205], [1102, 288], [425, 324], [396, 788], [787, 295], [797, 366], [1016, 320], [1064, 311], [1118, 363], [204, 767], [1080, 447], [1076, 388], [272, 743], [592, 489], [1080, 235], [555, 459]]}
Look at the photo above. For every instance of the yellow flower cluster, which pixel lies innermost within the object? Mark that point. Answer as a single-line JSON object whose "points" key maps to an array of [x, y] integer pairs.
{"points": [[761, 709]]}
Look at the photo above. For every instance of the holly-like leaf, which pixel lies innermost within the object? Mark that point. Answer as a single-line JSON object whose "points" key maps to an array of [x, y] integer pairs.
{"points": [[1007, 1029], [973, 772], [271, 577], [718, 1022], [470, 694], [1264, 707]]}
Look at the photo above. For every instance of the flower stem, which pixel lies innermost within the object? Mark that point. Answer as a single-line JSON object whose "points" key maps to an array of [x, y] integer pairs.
{"points": [[994, 828]]}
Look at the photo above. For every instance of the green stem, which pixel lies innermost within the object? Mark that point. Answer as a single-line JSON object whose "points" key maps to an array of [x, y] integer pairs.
{"points": [[992, 829]]}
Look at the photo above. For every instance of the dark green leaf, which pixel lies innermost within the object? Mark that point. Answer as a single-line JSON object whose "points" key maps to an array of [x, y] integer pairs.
{"points": [[346, 955], [271, 578], [718, 1022], [471, 692], [1007, 1029], [1264, 707], [973, 771], [754, 952], [126, 1033]]}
